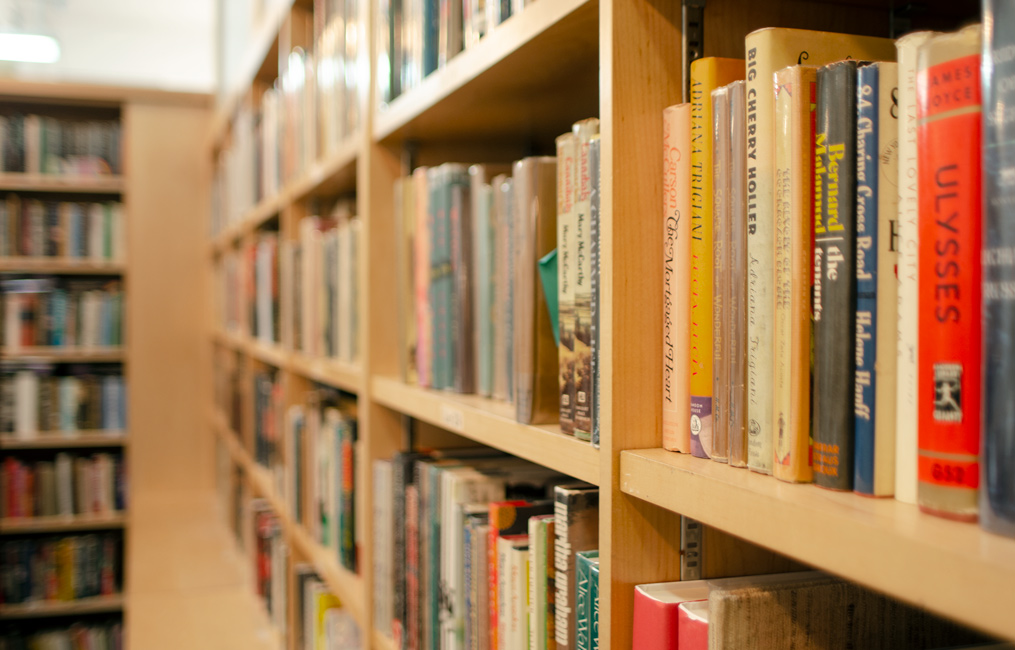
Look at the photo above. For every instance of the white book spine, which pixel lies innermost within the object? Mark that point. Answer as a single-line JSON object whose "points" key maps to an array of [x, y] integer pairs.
{"points": [[12, 321], [26, 404], [908, 268]]}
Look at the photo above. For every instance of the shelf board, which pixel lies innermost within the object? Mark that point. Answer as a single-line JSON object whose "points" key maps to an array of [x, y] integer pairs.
{"points": [[491, 422], [62, 523], [61, 266], [330, 372], [49, 608], [516, 80], [343, 583], [335, 174], [64, 354], [65, 440], [882, 543], [20, 182], [383, 641]]}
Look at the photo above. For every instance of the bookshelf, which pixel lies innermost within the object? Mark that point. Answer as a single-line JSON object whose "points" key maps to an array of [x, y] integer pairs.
{"points": [[58, 524], [82, 607], [509, 95], [21, 182]]}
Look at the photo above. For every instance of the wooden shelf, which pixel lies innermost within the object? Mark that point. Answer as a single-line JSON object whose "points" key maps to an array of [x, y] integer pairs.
{"points": [[65, 440], [61, 266], [62, 523], [491, 423], [46, 609], [65, 355], [331, 372], [534, 74], [383, 641], [882, 543], [18, 182], [335, 174], [343, 583]]}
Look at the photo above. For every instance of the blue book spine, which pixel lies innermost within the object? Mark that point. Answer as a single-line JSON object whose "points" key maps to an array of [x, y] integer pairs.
{"points": [[58, 302], [866, 274], [431, 35], [467, 577], [997, 496]]}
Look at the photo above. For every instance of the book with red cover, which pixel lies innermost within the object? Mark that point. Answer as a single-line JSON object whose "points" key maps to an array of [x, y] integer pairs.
{"points": [[656, 612], [948, 381], [692, 625]]}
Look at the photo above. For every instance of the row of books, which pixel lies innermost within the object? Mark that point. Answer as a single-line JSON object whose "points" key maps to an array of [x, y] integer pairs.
{"points": [[320, 619], [41, 144], [418, 37], [67, 485], [61, 313], [823, 303], [310, 450], [60, 568], [303, 294], [478, 550], [809, 610], [79, 636], [311, 110], [473, 281], [68, 229], [38, 397]]}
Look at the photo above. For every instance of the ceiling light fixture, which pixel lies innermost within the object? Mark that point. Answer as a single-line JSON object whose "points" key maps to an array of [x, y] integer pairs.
{"points": [[29, 48]]}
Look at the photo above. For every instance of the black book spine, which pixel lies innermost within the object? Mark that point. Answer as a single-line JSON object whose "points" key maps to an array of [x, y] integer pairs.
{"points": [[997, 505], [834, 276]]}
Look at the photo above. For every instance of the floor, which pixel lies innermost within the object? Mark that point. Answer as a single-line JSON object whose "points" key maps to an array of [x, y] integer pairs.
{"points": [[188, 584]]}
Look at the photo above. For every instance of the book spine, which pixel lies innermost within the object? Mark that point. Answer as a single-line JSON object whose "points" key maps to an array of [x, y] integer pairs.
{"points": [[867, 317], [796, 95], [583, 132], [997, 495], [948, 382], [720, 272], [908, 272], [421, 281], [834, 275], [736, 336], [583, 619], [566, 276], [700, 274], [594, 230], [676, 284]]}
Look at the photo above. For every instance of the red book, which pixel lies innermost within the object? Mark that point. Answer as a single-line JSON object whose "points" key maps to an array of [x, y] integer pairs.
{"points": [[692, 625], [501, 516], [657, 612], [948, 383]]}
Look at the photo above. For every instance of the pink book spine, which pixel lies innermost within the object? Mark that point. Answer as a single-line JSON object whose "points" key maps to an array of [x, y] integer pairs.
{"points": [[422, 275]]}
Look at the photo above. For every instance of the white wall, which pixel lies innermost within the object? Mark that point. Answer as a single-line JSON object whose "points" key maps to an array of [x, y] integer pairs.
{"points": [[165, 44]]}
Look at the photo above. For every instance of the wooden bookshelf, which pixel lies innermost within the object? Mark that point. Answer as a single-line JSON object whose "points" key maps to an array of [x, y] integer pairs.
{"points": [[383, 641], [343, 583], [62, 524], [66, 440], [61, 266], [53, 354], [49, 609], [19, 182], [330, 372], [491, 423], [882, 543]]}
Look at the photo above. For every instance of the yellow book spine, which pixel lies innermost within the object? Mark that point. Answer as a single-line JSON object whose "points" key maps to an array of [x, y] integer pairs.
{"points": [[706, 75]]}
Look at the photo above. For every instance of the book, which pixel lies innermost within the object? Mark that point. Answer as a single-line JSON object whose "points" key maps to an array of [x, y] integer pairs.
{"points": [[795, 100], [721, 226], [997, 495], [541, 582], [576, 529], [834, 276], [587, 632], [877, 145], [421, 250], [503, 305], [908, 271], [736, 334], [676, 285], [707, 74], [769, 50], [583, 132], [949, 372], [534, 233], [656, 612], [566, 275], [485, 269], [692, 625], [595, 284]]}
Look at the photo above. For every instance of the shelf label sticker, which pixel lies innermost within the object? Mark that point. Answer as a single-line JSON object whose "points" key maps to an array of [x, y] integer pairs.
{"points": [[452, 418]]}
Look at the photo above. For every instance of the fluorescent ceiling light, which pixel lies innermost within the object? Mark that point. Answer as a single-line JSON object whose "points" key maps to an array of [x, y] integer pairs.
{"points": [[31, 48]]}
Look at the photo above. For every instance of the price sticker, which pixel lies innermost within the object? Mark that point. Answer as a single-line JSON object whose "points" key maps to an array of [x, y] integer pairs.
{"points": [[452, 418]]}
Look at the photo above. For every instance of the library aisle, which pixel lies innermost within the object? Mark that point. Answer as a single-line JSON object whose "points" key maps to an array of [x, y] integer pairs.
{"points": [[188, 586]]}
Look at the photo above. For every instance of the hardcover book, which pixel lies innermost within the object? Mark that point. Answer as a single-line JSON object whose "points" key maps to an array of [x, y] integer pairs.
{"points": [[736, 332], [707, 74], [583, 132], [567, 273], [721, 226], [676, 239], [834, 275], [576, 528], [949, 371], [769, 50]]}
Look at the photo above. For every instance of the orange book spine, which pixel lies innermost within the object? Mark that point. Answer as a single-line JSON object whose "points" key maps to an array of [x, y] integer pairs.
{"points": [[676, 277]]}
